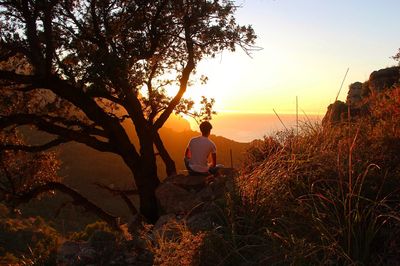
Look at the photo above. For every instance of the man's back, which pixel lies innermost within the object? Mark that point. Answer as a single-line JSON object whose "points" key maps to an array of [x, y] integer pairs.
{"points": [[200, 148]]}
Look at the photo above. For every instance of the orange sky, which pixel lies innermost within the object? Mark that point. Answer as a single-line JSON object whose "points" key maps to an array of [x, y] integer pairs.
{"points": [[307, 47]]}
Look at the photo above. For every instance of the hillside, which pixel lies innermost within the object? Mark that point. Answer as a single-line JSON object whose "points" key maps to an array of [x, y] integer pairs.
{"points": [[82, 167]]}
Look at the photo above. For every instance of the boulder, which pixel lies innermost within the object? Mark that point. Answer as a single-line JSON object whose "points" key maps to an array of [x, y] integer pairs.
{"points": [[383, 79], [75, 253], [354, 96], [190, 200], [164, 219], [336, 113], [175, 199], [67, 251], [201, 221], [357, 97], [187, 182]]}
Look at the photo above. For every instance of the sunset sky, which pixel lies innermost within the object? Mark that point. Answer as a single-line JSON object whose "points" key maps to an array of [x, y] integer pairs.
{"points": [[307, 47]]}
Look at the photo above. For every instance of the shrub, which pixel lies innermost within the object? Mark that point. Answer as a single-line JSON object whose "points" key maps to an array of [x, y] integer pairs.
{"points": [[174, 244], [90, 230], [27, 242]]}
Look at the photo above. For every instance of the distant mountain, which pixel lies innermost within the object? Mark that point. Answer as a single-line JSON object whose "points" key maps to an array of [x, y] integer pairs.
{"points": [[177, 123], [82, 166]]}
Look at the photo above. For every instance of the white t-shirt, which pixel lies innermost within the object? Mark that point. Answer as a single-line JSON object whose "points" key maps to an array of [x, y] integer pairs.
{"points": [[200, 148]]}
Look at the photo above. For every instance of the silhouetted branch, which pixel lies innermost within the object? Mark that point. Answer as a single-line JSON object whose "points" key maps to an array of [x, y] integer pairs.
{"points": [[190, 65], [78, 199], [169, 162], [12, 76], [114, 191], [10, 49], [65, 133], [62, 206], [36, 148], [123, 194], [129, 203], [104, 95]]}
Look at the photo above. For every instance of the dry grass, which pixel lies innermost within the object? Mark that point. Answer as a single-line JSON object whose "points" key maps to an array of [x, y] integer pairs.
{"points": [[174, 245], [329, 196]]}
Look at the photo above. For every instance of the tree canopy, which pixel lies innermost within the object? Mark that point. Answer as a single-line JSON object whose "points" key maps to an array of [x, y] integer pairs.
{"points": [[80, 69]]}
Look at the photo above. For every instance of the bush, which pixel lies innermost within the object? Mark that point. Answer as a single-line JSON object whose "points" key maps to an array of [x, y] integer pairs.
{"points": [[90, 229], [175, 245], [27, 242]]}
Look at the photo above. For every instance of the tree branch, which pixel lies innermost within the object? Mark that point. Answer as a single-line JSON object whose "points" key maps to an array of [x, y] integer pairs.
{"points": [[78, 198], [37, 148], [184, 79], [65, 133], [18, 78], [94, 112], [168, 161], [123, 194], [117, 191], [99, 94]]}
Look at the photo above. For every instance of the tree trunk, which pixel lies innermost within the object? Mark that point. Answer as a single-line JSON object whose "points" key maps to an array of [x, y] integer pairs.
{"points": [[145, 175], [147, 182]]}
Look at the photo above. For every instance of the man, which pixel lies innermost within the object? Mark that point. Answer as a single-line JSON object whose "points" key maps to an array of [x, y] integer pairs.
{"points": [[198, 151]]}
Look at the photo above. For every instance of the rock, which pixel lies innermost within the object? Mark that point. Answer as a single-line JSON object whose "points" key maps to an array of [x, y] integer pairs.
{"points": [[75, 253], [354, 95], [383, 78], [164, 219], [357, 97], [206, 194], [67, 251], [192, 208], [87, 255], [227, 172], [336, 113], [131, 261], [188, 182], [175, 199], [102, 240], [199, 222]]}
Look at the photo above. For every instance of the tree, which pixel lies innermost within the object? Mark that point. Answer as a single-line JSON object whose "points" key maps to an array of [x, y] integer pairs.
{"points": [[86, 67]]}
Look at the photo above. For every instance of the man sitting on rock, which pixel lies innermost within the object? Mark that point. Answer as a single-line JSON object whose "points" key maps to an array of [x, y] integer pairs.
{"points": [[198, 151]]}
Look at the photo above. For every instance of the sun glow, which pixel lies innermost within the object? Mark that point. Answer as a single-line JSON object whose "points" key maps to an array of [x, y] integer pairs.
{"points": [[303, 56]]}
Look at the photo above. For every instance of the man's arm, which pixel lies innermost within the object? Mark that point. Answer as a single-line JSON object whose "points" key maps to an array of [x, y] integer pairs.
{"points": [[213, 159], [187, 153]]}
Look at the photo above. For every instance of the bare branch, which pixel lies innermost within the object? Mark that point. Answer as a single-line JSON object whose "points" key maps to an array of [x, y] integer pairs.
{"points": [[114, 191], [123, 194], [18, 78], [36, 148], [49, 127], [78, 198], [169, 162]]}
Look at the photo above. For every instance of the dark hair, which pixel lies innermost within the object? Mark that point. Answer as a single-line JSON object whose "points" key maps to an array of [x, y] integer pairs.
{"points": [[205, 127]]}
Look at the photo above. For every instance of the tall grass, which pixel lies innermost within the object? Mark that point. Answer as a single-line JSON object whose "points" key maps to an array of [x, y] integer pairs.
{"points": [[327, 196]]}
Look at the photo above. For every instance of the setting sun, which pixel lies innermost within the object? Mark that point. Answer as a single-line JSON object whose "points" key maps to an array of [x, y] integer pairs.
{"points": [[300, 40], [287, 152]]}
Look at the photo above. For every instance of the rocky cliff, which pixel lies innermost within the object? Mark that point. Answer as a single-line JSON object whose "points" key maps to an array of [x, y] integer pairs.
{"points": [[357, 101]]}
